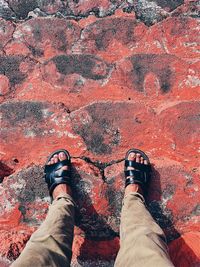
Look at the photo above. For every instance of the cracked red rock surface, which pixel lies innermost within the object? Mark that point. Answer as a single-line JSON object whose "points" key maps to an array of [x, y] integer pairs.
{"points": [[73, 77]]}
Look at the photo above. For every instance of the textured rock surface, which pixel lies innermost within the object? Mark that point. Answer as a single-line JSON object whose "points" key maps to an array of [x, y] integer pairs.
{"points": [[99, 77]]}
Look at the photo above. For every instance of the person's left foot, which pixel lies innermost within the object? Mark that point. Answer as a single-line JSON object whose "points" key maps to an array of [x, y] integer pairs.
{"points": [[61, 188]]}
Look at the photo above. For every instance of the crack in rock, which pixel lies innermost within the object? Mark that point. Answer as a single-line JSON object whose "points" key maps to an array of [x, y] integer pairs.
{"points": [[149, 12], [100, 165]]}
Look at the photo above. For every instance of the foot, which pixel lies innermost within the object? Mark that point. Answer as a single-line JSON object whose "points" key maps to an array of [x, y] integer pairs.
{"points": [[135, 187], [61, 188]]}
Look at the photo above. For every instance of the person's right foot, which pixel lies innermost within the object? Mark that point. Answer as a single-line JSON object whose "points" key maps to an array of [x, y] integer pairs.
{"points": [[139, 159]]}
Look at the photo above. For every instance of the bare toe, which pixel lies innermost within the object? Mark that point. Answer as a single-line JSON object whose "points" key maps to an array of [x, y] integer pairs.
{"points": [[145, 162], [62, 156], [138, 157], [142, 160], [52, 161], [131, 156], [55, 158]]}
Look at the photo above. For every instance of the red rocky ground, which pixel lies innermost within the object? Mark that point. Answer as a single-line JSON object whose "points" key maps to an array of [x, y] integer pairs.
{"points": [[97, 78]]}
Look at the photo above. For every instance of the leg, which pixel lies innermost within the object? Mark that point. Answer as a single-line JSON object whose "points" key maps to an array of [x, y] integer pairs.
{"points": [[142, 241], [51, 244]]}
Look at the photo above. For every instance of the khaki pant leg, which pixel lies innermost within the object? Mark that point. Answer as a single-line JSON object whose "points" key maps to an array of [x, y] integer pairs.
{"points": [[142, 241], [51, 244]]}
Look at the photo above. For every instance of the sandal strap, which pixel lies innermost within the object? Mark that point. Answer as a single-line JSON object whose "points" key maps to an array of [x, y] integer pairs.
{"points": [[135, 177], [54, 176], [62, 173], [138, 166], [56, 166]]}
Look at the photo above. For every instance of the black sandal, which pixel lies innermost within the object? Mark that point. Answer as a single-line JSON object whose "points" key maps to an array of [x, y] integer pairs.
{"points": [[141, 174], [54, 175]]}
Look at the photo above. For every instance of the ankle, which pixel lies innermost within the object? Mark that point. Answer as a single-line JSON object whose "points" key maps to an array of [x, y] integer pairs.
{"points": [[60, 189], [133, 188]]}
